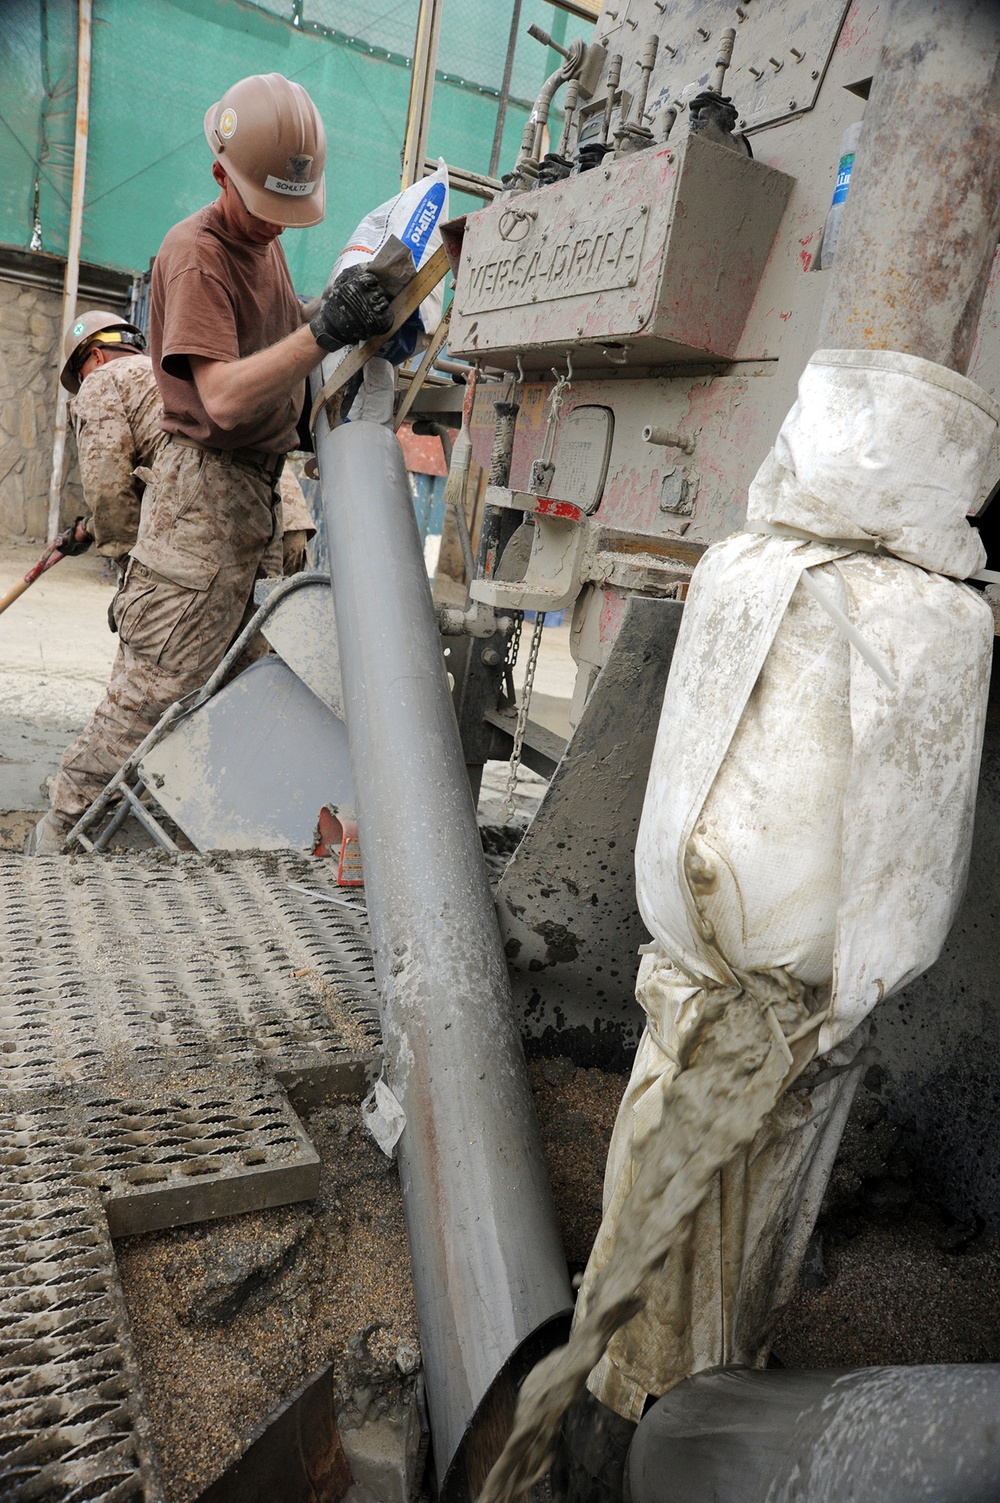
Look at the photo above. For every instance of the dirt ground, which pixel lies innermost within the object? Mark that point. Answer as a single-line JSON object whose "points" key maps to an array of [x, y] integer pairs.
{"points": [[890, 1276], [268, 1298], [55, 656]]}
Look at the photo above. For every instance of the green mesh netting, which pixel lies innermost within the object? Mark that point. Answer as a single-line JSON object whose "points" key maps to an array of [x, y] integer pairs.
{"points": [[156, 68]]}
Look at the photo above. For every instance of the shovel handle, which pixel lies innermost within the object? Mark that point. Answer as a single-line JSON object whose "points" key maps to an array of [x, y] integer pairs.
{"points": [[49, 557]]}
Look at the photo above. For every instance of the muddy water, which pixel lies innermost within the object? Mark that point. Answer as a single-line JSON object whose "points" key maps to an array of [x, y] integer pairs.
{"points": [[732, 1073]]}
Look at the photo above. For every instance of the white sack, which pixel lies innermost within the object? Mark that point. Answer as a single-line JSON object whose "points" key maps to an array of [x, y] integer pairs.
{"points": [[375, 398], [394, 240], [803, 817], [409, 222], [799, 812]]}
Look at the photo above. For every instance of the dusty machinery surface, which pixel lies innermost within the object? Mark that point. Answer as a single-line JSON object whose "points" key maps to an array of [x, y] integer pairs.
{"points": [[640, 305]]}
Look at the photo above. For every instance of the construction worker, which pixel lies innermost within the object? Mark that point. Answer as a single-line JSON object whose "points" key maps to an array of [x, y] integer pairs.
{"points": [[116, 414], [231, 347], [117, 418]]}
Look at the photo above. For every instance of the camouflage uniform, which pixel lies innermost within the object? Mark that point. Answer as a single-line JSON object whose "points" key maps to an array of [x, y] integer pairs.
{"points": [[297, 525], [207, 522], [116, 416]]}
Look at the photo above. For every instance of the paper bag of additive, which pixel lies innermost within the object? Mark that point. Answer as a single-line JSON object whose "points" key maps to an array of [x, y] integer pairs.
{"points": [[806, 810], [396, 239]]}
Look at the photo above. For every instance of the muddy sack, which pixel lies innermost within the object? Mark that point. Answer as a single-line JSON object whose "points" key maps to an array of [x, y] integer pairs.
{"points": [[812, 788]]}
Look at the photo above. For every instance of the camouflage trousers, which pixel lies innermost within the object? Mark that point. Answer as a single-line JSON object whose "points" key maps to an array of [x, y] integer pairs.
{"points": [[209, 527]]}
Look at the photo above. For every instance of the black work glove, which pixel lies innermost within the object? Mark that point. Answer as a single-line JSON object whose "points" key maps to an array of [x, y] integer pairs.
{"points": [[76, 539], [355, 308]]}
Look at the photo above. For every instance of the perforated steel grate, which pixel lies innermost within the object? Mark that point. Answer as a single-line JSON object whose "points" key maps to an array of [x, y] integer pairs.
{"points": [[73, 1424], [182, 960], [146, 1005], [183, 1148]]}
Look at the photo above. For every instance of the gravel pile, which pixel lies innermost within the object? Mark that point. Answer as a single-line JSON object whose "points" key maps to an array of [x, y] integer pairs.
{"points": [[231, 1317]]}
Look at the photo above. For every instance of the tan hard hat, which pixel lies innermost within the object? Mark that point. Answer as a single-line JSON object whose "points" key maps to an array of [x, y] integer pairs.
{"points": [[99, 321], [266, 133]]}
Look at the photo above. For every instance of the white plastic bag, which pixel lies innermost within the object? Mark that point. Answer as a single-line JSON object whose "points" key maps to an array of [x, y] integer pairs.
{"points": [[807, 817], [394, 240], [384, 1117]]}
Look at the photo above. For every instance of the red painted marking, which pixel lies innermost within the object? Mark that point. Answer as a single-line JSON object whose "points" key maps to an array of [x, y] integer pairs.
{"points": [[612, 613], [566, 509], [805, 254]]}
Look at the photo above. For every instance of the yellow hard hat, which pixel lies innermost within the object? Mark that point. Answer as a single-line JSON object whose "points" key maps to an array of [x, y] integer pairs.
{"points": [[99, 326], [266, 133]]}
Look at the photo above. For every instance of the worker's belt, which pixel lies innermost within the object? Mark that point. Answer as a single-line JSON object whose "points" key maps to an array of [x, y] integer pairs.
{"points": [[255, 459]]}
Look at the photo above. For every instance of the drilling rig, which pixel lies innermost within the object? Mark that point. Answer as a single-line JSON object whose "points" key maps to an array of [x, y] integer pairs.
{"points": [[651, 292], [637, 305]]}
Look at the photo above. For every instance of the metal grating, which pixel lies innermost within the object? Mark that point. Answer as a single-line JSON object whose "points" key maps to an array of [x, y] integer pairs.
{"points": [[146, 1005], [181, 1149], [177, 960], [73, 1424]]}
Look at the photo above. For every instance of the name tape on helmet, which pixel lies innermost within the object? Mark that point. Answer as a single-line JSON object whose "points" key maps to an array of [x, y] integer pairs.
{"points": [[284, 185]]}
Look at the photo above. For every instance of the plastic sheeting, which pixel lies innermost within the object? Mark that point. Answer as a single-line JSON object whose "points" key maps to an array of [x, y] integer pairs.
{"points": [[882, 452]]}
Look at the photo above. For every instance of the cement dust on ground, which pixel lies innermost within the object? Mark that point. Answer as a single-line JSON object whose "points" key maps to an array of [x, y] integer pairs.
{"points": [[56, 653]]}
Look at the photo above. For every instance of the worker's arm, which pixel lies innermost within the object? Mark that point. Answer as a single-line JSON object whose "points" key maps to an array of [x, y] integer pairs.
{"points": [[106, 449], [237, 391]]}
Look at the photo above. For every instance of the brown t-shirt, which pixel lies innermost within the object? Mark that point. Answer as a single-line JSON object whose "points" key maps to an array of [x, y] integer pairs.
{"points": [[223, 298]]}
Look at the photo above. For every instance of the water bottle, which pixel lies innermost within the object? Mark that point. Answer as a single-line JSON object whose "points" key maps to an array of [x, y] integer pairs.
{"points": [[831, 234]]}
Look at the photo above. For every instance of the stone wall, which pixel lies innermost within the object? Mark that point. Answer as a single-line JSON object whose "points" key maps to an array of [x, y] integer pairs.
{"points": [[30, 361], [29, 343]]}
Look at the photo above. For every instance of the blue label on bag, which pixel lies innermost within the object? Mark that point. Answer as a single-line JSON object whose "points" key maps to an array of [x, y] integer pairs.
{"points": [[423, 221], [843, 178]]}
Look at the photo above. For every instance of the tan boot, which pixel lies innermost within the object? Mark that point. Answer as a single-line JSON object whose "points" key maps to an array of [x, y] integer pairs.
{"points": [[47, 838]]}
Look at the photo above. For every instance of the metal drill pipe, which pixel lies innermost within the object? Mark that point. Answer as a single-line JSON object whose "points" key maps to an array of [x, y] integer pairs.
{"points": [[922, 217], [488, 1265]]}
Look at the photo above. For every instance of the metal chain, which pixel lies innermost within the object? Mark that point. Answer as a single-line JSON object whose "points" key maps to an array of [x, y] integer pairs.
{"points": [[514, 641], [522, 715]]}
